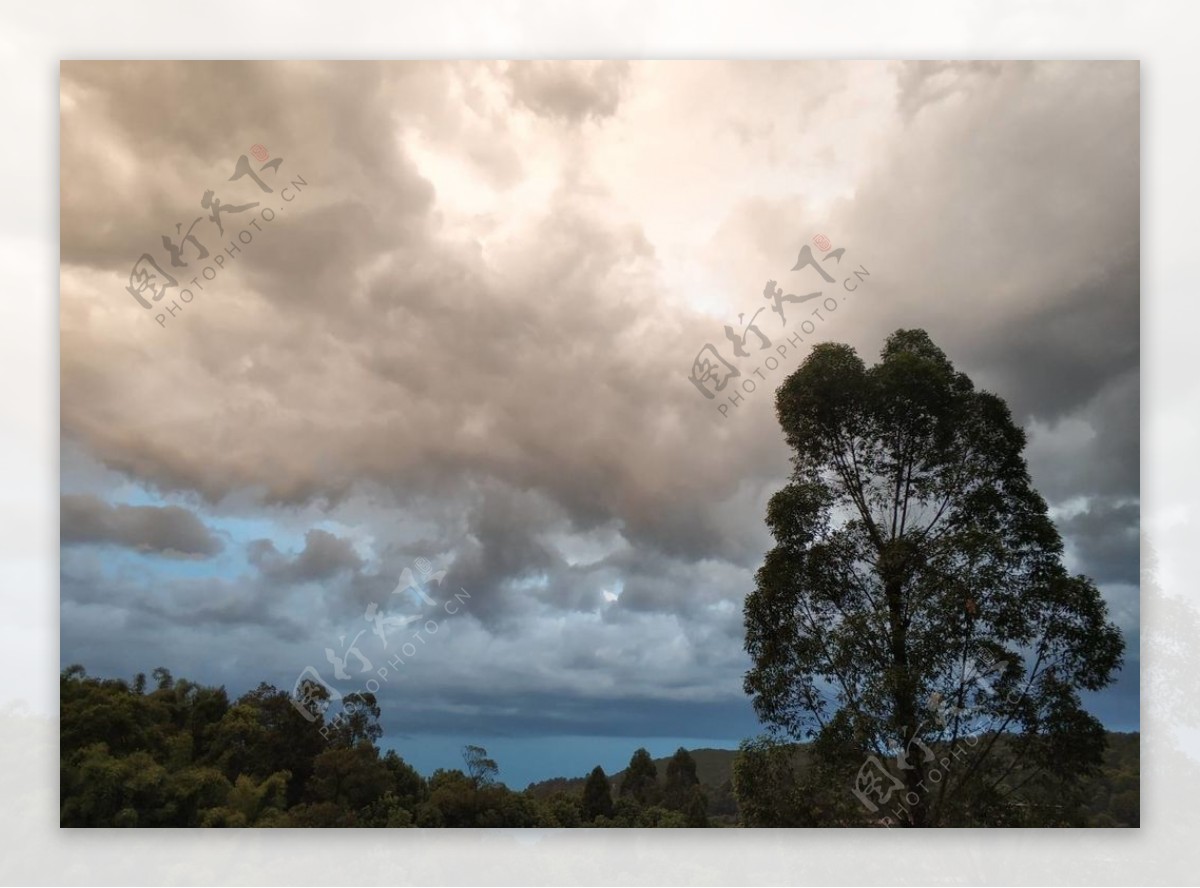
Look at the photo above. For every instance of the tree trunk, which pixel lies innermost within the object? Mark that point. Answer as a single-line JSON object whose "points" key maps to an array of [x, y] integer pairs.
{"points": [[905, 706]]}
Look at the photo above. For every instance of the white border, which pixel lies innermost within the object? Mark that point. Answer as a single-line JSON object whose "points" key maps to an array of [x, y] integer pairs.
{"points": [[34, 37]]}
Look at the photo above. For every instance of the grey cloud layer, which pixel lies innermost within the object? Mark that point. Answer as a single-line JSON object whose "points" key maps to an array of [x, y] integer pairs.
{"points": [[169, 530], [324, 556]]}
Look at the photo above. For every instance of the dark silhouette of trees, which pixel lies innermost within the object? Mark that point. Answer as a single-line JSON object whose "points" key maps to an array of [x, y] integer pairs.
{"points": [[915, 617], [681, 779], [183, 755], [641, 778], [481, 769], [597, 797], [697, 809]]}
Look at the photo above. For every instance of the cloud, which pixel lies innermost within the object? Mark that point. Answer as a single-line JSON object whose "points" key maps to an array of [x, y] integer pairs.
{"points": [[166, 530], [468, 336], [324, 556], [573, 91], [1106, 538]]}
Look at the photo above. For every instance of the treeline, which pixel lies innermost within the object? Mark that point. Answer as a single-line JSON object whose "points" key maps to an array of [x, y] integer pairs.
{"points": [[171, 752], [1114, 795]]}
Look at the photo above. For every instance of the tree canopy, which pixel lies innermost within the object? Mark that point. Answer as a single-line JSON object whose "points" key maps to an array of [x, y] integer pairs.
{"points": [[183, 754], [914, 617], [641, 778], [597, 795]]}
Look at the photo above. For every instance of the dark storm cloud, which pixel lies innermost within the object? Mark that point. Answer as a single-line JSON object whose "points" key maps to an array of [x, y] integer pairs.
{"points": [[477, 715], [1070, 349], [502, 551], [1019, 184], [167, 530], [1000, 214], [1093, 449], [1106, 541], [151, 607], [324, 556]]}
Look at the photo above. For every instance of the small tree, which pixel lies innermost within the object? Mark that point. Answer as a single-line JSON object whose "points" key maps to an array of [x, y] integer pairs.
{"points": [[641, 778], [597, 796], [481, 769], [697, 808], [359, 721], [681, 778]]}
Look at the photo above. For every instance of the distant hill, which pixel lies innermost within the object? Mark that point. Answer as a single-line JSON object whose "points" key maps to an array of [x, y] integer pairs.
{"points": [[1113, 794], [714, 767]]}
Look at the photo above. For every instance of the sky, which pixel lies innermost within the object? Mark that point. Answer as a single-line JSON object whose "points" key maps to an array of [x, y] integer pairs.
{"points": [[443, 316]]}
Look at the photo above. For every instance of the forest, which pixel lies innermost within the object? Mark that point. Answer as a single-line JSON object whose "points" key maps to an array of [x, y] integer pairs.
{"points": [[169, 752]]}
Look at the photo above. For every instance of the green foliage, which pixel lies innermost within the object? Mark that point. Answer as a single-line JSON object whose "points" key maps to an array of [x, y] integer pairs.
{"points": [[697, 809], [912, 553], [597, 796], [780, 784], [640, 780], [251, 803], [481, 769], [681, 780], [182, 755], [766, 780], [561, 809], [349, 777], [1113, 797], [359, 722]]}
